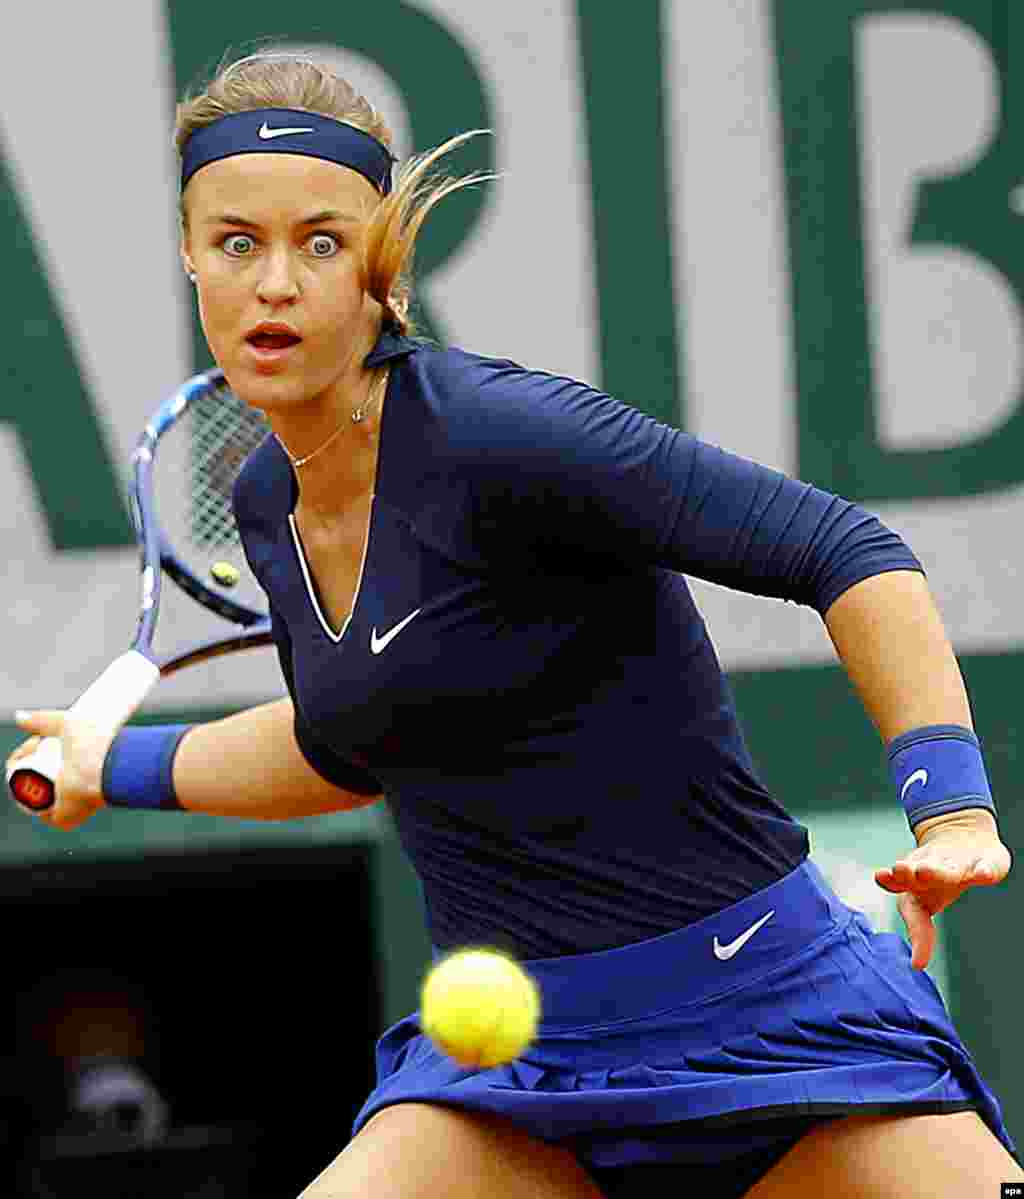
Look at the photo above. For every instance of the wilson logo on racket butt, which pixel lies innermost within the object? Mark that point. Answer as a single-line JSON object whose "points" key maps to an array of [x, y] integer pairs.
{"points": [[32, 791]]}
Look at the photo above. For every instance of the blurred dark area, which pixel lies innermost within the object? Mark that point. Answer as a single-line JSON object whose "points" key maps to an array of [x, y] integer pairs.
{"points": [[199, 1027]]}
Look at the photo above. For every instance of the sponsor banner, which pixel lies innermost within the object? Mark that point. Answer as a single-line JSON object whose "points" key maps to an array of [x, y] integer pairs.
{"points": [[728, 215]]}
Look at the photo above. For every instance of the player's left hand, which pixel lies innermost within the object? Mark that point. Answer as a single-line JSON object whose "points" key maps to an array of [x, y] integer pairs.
{"points": [[953, 853]]}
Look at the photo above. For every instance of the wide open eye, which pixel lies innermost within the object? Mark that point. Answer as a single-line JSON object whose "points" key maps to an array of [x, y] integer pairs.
{"points": [[324, 245], [230, 244]]}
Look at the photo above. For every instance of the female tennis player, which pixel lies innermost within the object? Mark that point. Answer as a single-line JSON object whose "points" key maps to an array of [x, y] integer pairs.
{"points": [[475, 572]]}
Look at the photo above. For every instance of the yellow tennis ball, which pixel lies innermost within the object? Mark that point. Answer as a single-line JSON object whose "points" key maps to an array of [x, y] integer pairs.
{"points": [[225, 574], [480, 1008]]}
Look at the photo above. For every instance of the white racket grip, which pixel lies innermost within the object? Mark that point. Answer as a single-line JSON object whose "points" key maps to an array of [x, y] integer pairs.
{"points": [[118, 692], [106, 704]]}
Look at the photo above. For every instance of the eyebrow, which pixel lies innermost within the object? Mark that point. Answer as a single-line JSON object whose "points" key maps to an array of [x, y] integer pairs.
{"points": [[317, 218]]}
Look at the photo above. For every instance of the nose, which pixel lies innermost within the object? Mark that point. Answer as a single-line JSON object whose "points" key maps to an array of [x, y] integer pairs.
{"points": [[277, 281]]}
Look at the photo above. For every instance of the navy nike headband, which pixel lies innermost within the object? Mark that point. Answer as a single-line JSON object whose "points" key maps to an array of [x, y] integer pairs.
{"points": [[288, 131]]}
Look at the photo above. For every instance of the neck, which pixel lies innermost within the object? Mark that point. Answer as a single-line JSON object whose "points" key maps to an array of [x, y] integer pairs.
{"points": [[333, 456], [341, 465]]}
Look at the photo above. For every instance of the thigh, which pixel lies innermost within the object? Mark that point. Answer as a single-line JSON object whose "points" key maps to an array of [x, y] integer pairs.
{"points": [[420, 1150], [893, 1157]]}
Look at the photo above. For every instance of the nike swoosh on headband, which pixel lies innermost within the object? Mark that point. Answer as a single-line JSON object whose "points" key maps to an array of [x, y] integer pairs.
{"points": [[265, 132], [288, 129]]}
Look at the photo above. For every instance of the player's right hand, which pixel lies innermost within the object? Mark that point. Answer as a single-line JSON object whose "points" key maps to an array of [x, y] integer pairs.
{"points": [[79, 787]]}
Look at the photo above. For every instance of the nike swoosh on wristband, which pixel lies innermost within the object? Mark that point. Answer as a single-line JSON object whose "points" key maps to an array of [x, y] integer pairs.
{"points": [[725, 952], [265, 132], [919, 776], [378, 644]]}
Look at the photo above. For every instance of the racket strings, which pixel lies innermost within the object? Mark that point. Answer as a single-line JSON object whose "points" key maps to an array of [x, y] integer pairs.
{"points": [[204, 436], [223, 432]]}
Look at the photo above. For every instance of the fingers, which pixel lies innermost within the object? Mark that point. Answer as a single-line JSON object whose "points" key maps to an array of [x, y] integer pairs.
{"points": [[911, 874], [42, 724], [78, 791], [889, 878], [62, 814], [986, 873], [64, 817], [920, 929], [24, 749], [45, 723], [930, 878], [931, 872]]}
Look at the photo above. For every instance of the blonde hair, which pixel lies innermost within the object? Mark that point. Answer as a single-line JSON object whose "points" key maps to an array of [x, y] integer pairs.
{"points": [[283, 80]]}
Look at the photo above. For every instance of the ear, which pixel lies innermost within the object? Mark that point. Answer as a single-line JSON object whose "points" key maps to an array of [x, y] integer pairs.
{"points": [[186, 260]]}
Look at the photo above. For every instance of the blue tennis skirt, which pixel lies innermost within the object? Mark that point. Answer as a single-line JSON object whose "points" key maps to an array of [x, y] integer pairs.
{"points": [[706, 1043]]}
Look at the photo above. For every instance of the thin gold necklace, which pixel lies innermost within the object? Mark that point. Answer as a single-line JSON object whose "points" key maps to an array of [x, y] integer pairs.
{"points": [[358, 415]]}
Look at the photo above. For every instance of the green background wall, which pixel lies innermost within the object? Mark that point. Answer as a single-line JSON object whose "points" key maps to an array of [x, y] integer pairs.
{"points": [[706, 226]]}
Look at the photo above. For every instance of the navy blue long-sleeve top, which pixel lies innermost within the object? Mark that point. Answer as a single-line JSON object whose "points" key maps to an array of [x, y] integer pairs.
{"points": [[524, 675]]}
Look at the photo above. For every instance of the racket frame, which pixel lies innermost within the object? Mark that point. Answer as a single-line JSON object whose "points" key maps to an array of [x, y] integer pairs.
{"points": [[127, 677], [156, 549]]}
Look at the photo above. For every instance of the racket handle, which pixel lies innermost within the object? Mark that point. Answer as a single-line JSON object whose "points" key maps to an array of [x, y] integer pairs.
{"points": [[107, 703]]}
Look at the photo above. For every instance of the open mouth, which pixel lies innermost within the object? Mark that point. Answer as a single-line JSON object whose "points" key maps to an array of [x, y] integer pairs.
{"points": [[273, 341]]}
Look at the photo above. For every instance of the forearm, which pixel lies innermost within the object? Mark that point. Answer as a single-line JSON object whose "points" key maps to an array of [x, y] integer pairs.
{"points": [[249, 766], [889, 636], [888, 633]]}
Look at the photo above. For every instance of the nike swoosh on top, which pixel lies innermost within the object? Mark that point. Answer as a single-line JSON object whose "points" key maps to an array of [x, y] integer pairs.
{"points": [[919, 776], [378, 644], [266, 132], [725, 952]]}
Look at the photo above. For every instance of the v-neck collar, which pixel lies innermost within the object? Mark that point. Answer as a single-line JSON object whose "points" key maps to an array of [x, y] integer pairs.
{"points": [[307, 576], [391, 344]]}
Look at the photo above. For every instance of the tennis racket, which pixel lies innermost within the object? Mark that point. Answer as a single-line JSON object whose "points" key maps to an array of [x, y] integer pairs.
{"points": [[184, 467]]}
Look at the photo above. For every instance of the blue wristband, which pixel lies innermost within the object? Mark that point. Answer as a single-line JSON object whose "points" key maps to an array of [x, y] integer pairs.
{"points": [[939, 769], [137, 768]]}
